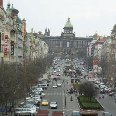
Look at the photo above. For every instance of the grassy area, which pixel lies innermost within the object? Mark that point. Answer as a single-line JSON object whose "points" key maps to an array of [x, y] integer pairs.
{"points": [[76, 85], [85, 103]]}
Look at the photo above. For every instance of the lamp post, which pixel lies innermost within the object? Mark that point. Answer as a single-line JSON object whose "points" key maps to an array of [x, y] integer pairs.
{"points": [[65, 100]]}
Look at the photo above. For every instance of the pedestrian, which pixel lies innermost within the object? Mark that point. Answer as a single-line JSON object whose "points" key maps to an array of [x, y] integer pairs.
{"points": [[103, 96], [71, 99]]}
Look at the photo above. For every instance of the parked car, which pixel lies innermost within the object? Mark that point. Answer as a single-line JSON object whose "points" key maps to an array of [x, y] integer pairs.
{"points": [[25, 111], [111, 93], [40, 89]]}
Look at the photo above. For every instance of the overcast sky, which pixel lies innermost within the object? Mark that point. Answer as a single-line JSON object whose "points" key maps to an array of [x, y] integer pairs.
{"points": [[87, 16]]}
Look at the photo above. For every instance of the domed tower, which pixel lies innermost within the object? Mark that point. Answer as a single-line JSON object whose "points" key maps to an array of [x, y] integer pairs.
{"points": [[68, 30]]}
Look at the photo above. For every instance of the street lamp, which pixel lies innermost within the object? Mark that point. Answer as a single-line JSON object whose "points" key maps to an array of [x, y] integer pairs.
{"points": [[65, 100]]}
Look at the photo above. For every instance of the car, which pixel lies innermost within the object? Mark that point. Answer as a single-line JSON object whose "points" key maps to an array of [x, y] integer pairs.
{"points": [[53, 105], [111, 93], [75, 113], [59, 84], [30, 101], [36, 98], [43, 94], [106, 114], [54, 86], [44, 103], [40, 89], [58, 70], [64, 114], [43, 86], [58, 74], [31, 111]]}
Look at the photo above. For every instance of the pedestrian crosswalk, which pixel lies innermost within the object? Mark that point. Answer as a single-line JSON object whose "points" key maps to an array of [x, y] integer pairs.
{"points": [[55, 93]]}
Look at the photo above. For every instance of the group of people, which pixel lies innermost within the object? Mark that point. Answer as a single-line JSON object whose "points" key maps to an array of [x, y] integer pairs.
{"points": [[101, 97]]}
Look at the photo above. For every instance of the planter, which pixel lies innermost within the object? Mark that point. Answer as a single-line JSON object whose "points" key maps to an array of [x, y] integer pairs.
{"points": [[89, 105]]}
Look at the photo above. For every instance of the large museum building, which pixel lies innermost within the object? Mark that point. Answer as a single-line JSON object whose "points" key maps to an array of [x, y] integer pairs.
{"points": [[67, 43]]}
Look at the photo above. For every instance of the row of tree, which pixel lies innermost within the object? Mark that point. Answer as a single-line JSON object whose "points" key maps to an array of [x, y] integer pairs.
{"points": [[16, 79]]}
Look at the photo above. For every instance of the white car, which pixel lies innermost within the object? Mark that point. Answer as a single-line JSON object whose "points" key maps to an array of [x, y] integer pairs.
{"points": [[53, 105], [54, 86], [59, 84], [25, 111], [37, 99], [40, 89], [43, 94]]}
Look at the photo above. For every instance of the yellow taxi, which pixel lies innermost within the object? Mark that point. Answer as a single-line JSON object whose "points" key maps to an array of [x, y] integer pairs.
{"points": [[44, 103]]}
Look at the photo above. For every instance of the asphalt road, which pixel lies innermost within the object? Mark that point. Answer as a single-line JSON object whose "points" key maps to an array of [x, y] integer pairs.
{"points": [[65, 104], [53, 94], [108, 103], [63, 99], [60, 95]]}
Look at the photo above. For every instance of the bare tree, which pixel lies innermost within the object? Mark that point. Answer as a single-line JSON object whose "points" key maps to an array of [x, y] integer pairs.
{"points": [[16, 79]]}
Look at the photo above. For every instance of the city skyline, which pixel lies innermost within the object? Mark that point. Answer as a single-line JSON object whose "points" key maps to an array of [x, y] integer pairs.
{"points": [[87, 17]]}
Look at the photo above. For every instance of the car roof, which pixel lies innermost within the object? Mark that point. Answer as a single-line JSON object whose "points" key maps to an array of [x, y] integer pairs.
{"points": [[44, 100], [106, 112], [53, 102], [75, 111]]}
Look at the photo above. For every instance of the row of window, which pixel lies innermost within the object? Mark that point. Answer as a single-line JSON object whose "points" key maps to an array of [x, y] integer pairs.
{"points": [[78, 44]]}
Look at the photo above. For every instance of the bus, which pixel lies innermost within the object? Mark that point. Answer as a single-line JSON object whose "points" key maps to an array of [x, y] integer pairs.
{"points": [[88, 113]]}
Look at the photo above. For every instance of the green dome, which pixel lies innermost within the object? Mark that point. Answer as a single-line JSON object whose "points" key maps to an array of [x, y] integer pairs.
{"points": [[68, 24]]}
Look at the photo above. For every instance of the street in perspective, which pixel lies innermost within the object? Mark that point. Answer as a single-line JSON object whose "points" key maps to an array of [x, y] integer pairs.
{"points": [[68, 74]]}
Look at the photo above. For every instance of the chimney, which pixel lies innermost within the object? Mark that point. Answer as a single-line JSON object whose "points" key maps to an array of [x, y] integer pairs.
{"points": [[1, 3]]}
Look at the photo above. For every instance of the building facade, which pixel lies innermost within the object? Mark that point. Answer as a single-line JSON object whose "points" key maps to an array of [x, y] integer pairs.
{"points": [[67, 43]]}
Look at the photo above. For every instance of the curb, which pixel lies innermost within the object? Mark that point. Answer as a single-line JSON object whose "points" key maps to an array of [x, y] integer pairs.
{"points": [[100, 104], [78, 102]]}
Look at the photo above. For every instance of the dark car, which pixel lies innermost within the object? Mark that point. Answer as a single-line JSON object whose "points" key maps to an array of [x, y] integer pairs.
{"points": [[111, 93]]}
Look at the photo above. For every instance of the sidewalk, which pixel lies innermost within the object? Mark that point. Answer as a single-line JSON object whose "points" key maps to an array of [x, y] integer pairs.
{"points": [[69, 105]]}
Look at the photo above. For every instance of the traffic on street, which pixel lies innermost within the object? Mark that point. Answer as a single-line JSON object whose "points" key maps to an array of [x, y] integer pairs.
{"points": [[54, 95]]}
